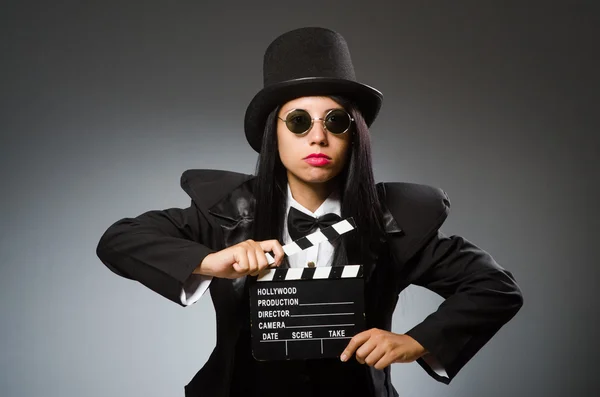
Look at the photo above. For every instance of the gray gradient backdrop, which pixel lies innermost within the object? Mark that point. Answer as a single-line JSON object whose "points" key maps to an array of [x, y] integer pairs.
{"points": [[104, 106]]}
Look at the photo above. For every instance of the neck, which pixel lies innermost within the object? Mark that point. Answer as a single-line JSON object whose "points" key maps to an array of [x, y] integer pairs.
{"points": [[310, 195]]}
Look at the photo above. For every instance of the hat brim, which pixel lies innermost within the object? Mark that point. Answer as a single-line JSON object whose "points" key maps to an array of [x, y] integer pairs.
{"points": [[367, 99]]}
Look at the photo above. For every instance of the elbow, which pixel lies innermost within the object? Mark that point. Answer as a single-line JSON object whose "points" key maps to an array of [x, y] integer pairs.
{"points": [[517, 297], [106, 253], [104, 247], [113, 236], [513, 295], [504, 296]]}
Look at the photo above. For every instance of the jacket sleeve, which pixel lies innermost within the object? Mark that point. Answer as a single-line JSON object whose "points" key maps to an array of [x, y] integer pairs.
{"points": [[480, 297], [160, 249]]}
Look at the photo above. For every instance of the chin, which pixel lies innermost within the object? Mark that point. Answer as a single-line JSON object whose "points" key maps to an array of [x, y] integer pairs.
{"points": [[313, 175], [320, 176]]}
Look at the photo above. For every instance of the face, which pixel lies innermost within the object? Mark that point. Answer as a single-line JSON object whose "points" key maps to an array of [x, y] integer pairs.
{"points": [[317, 156]]}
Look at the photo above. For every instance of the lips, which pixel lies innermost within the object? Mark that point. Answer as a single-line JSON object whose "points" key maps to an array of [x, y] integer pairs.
{"points": [[317, 159], [317, 156]]}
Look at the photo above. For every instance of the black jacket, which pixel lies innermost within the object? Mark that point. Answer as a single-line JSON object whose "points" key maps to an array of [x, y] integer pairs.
{"points": [[160, 249]]}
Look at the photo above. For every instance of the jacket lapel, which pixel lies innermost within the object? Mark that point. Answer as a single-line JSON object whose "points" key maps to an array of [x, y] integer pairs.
{"points": [[235, 217], [229, 201], [391, 228]]}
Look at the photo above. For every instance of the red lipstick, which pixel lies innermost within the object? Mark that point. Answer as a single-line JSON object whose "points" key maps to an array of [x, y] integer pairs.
{"points": [[317, 159]]}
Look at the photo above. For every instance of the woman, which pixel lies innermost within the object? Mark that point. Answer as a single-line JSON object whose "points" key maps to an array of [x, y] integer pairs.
{"points": [[309, 125]]}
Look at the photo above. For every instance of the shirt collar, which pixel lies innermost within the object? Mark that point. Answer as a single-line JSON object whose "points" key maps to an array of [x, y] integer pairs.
{"points": [[331, 204]]}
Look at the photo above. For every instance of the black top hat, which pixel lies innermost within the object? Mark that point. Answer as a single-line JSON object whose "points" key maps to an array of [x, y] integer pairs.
{"points": [[306, 62]]}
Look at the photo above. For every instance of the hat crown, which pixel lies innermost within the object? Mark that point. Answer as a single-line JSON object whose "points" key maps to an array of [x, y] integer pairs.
{"points": [[307, 52], [309, 61]]}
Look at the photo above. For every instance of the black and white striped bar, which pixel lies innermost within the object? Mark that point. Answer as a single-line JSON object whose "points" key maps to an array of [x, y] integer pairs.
{"points": [[306, 313], [329, 233], [308, 273]]}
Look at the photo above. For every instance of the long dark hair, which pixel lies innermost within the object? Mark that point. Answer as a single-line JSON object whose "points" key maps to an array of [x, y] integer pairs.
{"points": [[358, 192]]}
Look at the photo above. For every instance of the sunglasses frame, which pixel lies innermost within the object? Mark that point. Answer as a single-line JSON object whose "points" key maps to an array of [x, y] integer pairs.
{"points": [[312, 121]]}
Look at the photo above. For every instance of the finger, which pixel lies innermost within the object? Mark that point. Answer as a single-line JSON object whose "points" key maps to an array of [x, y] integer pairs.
{"points": [[363, 351], [385, 361], [374, 356], [261, 258], [241, 259], [356, 341], [260, 255], [279, 252], [252, 262], [261, 261], [275, 247]]}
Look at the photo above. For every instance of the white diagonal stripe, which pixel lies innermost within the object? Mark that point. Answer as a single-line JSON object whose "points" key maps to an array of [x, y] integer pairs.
{"points": [[350, 271], [342, 227], [294, 273], [270, 259], [291, 249], [322, 272], [266, 275], [316, 237]]}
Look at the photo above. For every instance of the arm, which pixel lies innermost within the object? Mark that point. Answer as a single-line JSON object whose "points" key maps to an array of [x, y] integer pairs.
{"points": [[168, 251], [480, 297], [161, 250]]}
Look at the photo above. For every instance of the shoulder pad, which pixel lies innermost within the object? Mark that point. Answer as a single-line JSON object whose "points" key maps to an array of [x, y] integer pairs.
{"points": [[419, 210], [206, 187]]}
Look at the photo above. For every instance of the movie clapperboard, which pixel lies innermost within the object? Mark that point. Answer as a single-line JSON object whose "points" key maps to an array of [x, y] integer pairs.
{"points": [[302, 313]]}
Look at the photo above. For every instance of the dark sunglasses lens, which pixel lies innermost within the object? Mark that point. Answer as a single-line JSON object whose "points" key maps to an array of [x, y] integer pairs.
{"points": [[337, 121], [298, 121]]}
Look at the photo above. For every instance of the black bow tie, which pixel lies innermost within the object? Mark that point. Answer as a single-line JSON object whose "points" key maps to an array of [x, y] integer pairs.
{"points": [[301, 224]]}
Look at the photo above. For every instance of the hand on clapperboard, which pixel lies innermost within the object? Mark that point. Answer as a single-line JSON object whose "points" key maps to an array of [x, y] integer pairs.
{"points": [[245, 258], [251, 257], [379, 348]]}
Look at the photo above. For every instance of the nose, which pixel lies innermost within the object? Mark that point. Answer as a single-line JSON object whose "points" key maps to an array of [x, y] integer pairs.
{"points": [[317, 134]]}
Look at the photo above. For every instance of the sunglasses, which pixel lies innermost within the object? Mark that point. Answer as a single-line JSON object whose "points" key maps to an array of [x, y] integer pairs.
{"points": [[299, 121]]}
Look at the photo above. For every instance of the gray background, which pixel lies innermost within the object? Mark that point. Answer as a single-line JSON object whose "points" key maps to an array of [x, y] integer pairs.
{"points": [[104, 106]]}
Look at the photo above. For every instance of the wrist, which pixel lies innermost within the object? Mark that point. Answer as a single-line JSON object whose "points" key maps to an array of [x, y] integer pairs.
{"points": [[204, 267], [417, 348]]}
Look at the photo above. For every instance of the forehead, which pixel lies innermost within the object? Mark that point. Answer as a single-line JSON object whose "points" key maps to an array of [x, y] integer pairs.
{"points": [[310, 103]]}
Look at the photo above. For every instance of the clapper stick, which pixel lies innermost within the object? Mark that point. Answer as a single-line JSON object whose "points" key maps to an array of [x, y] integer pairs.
{"points": [[329, 233]]}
